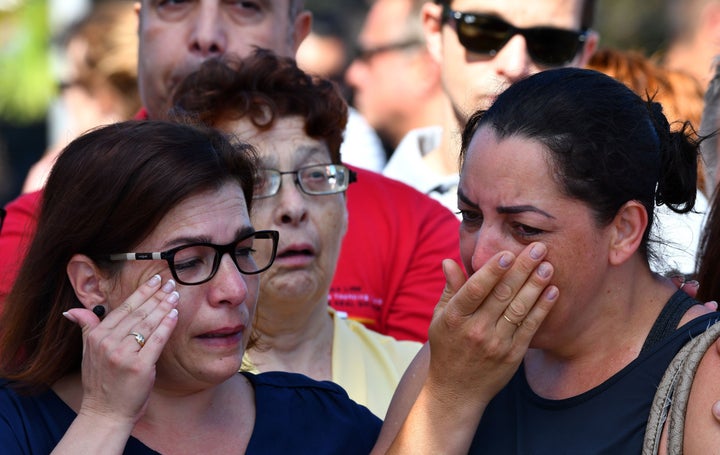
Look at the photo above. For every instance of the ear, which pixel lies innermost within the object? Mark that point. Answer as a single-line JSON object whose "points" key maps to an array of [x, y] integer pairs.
{"points": [[302, 27], [628, 228], [591, 44], [431, 16], [87, 280]]}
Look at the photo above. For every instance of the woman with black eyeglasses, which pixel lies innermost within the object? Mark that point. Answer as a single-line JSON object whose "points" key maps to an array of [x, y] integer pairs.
{"points": [[127, 325]]}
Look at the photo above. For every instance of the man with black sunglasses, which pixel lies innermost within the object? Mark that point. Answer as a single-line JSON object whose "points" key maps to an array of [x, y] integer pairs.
{"points": [[483, 46]]}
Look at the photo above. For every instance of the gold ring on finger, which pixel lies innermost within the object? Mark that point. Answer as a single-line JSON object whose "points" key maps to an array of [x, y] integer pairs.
{"points": [[139, 338], [511, 321]]}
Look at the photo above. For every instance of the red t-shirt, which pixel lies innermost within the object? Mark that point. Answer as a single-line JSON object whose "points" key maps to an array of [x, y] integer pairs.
{"points": [[17, 231], [389, 274]]}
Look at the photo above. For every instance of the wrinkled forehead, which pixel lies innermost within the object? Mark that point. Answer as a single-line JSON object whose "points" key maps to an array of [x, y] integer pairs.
{"points": [[524, 13]]}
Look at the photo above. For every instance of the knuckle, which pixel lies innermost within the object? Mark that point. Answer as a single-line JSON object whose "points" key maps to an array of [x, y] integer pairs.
{"points": [[126, 307], [530, 324], [503, 291], [516, 310]]}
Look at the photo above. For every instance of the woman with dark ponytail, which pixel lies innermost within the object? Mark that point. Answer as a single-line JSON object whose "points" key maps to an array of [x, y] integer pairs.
{"points": [[560, 338]]}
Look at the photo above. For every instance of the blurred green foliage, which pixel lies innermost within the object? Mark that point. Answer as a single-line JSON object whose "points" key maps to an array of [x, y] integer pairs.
{"points": [[26, 81]]}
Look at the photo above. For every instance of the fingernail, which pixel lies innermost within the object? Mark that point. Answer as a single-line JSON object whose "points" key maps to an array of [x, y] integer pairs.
{"points": [[70, 317], [552, 293], [505, 260], [169, 286], [154, 281], [716, 409], [537, 251], [173, 314], [544, 270], [692, 283], [173, 297]]}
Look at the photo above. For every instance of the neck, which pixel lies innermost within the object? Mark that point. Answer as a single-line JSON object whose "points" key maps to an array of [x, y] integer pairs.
{"points": [[445, 159], [605, 335], [296, 344]]}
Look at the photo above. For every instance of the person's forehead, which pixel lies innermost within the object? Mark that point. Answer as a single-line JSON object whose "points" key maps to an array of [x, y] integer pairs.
{"points": [[387, 20], [524, 13]]}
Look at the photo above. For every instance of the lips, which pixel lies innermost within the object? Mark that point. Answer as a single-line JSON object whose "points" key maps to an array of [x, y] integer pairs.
{"points": [[225, 332], [296, 250]]}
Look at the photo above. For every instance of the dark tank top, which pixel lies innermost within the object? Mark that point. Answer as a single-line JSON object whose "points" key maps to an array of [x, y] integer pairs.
{"points": [[608, 419]]}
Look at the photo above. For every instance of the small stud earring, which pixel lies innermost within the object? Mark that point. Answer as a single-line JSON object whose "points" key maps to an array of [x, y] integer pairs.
{"points": [[99, 310]]}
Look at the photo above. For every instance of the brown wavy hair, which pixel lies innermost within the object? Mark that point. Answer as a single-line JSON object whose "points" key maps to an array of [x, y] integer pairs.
{"points": [[263, 87]]}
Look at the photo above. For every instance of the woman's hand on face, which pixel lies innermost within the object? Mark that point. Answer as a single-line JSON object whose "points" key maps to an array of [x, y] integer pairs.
{"points": [[482, 327], [118, 372]]}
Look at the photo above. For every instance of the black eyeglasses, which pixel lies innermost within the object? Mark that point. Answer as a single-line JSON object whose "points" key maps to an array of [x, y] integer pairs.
{"points": [[197, 263], [366, 54], [487, 34], [314, 180]]}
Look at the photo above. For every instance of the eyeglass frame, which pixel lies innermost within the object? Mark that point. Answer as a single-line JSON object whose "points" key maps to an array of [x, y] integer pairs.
{"points": [[352, 178], [220, 251], [364, 54], [448, 14]]}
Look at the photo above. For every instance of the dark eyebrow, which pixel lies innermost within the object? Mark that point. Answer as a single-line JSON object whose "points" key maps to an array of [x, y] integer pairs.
{"points": [[522, 208], [461, 197], [505, 210], [242, 232]]}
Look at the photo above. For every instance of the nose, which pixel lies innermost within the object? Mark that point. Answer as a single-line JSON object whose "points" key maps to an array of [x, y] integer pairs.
{"points": [[482, 245], [291, 202], [209, 35], [513, 61], [229, 285]]}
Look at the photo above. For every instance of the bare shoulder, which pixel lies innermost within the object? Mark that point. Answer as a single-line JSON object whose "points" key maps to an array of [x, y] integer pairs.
{"points": [[702, 430]]}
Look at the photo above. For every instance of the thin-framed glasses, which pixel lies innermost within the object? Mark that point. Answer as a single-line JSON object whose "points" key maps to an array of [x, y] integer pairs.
{"points": [[487, 34], [315, 180], [365, 54], [197, 263]]}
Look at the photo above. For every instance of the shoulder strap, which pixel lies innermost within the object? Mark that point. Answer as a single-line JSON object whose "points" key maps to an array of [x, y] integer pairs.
{"points": [[668, 319], [672, 395]]}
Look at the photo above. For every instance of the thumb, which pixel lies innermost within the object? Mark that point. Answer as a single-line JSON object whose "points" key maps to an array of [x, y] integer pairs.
{"points": [[83, 317]]}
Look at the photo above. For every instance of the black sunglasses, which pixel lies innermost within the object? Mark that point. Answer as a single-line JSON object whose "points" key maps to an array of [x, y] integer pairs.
{"points": [[487, 34]]}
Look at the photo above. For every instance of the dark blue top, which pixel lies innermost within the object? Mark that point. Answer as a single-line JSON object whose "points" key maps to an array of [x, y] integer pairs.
{"points": [[294, 415], [609, 419]]}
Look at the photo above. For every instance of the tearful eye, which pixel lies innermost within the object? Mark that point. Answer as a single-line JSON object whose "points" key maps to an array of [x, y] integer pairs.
{"points": [[470, 217], [527, 231]]}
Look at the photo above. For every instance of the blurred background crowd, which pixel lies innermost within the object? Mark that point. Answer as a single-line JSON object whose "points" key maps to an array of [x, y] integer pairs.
{"points": [[43, 60]]}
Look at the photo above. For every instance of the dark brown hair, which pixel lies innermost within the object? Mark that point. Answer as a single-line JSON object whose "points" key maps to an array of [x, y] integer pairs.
{"points": [[107, 192], [263, 87]]}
